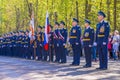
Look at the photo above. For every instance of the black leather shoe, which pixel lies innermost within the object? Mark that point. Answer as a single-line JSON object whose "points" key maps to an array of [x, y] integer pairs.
{"points": [[76, 64], [86, 66], [104, 69], [99, 68]]}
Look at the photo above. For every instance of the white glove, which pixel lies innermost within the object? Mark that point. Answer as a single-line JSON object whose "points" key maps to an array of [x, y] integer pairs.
{"points": [[40, 44], [57, 44], [90, 45], [64, 44], [68, 43], [76, 43], [95, 44], [104, 43]]}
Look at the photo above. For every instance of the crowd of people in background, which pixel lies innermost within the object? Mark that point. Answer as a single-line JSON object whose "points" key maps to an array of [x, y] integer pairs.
{"points": [[114, 45]]}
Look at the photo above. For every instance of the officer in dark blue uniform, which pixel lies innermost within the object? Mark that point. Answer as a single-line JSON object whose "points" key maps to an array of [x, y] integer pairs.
{"points": [[75, 35], [88, 39], [39, 40], [102, 33], [5, 45], [62, 41], [8, 43], [51, 45], [32, 49], [13, 44], [23, 54], [16, 45], [19, 41], [27, 45], [34, 45], [56, 42], [20, 44]]}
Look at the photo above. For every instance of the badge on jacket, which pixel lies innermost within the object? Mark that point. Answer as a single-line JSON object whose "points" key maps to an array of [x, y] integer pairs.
{"points": [[74, 31], [86, 34], [102, 29]]}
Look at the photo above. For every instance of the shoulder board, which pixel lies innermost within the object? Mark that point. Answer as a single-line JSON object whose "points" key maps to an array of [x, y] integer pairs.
{"points": [[91, 28], [78, 26], [106, 22]]}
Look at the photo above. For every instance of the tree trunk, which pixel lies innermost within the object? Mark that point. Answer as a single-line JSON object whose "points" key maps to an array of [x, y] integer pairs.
{"points": [[36, 14], [55, 15], [108, 10], [114, 14], [77, 10], [17, 18], [86, 9], [66, 19], [101, 5]]}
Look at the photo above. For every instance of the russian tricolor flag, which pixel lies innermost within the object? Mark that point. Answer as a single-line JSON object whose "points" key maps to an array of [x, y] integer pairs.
{"points": [[47, 30]]}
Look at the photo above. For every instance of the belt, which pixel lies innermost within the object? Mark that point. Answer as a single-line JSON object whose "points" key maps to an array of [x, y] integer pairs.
{"points": [[25, 42], [101, 35], [18, 41], [73, 37], [86, 39], [12, 40]]}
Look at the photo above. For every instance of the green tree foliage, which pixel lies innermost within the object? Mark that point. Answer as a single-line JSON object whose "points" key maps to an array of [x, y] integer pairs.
{"points": [[15, 14]]}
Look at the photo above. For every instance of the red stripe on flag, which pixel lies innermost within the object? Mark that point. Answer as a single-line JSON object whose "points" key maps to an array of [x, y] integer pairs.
{"points": [[48, 29], [46, 47]]}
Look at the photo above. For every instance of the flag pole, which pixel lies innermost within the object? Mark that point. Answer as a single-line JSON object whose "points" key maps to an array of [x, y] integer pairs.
{"points": [[49, 51]]}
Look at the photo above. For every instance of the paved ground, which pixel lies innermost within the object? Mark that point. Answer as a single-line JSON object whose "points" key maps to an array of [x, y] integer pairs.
{"points": [[21, 69]]}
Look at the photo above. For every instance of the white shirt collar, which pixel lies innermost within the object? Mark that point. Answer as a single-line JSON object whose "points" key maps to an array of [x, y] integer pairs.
{"points": [[87, 27], [101, 21]]}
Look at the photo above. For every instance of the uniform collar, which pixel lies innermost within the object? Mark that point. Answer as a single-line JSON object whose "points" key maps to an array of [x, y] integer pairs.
{"points": [[88, 27], [102, 21]]}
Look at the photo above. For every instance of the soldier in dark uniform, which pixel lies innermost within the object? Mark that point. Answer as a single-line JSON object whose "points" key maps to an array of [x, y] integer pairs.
{"points": [[10, 44], [75, 35], [88, 39], [23, 54], [16, 44], [32, 49], [5, 44], [13, 44], [8, 48], [51, 45], [62, 40], [19, 44], [56, 42], [27, 45], [102, 33], [39, 40]]}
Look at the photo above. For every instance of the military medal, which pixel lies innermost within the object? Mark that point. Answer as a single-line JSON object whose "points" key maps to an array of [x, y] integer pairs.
{"points": [[102, 29], [86, 34], [74, 31]]}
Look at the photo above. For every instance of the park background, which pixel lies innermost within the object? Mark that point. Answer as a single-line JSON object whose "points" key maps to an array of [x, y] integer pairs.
{"points": [[15, 14]]}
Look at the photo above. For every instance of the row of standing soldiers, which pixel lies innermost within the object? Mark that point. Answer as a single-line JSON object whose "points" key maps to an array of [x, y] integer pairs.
{"points": [[17, 44]]}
